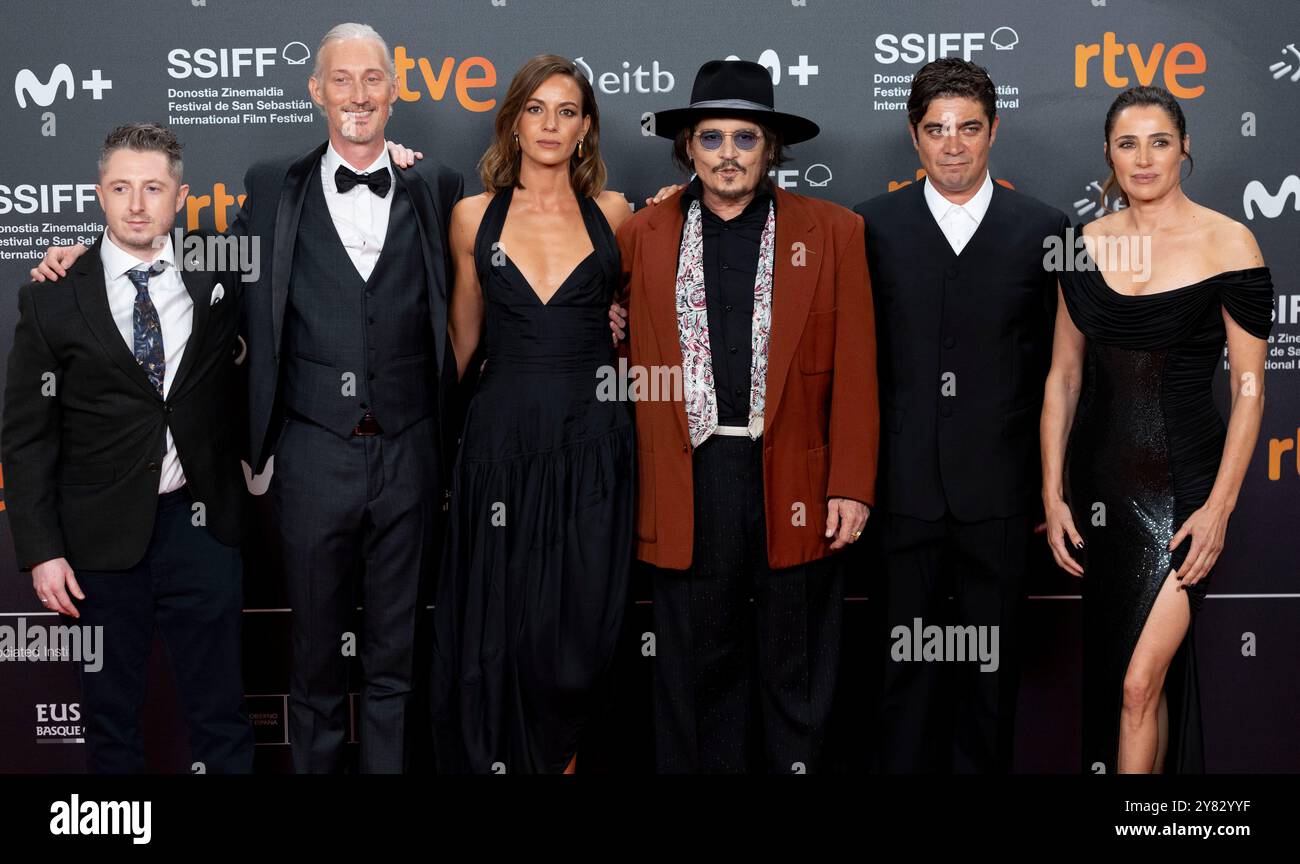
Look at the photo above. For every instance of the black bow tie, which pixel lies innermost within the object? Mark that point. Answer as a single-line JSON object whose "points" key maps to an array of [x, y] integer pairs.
{"points": [[379, 181]]}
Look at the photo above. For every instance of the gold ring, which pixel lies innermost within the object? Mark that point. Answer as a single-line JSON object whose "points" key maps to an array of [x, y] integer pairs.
{"points": [[857, 534]]}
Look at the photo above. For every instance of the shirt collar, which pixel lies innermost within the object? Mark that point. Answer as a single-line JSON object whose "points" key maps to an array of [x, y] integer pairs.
{"points": [[117, 260], [332, 160], [695, 190], [976, 207]]}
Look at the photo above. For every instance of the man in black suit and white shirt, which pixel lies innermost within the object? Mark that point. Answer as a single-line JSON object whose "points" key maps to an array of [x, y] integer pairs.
{"points": [[349, 367], [124, 491], [964, 315]]}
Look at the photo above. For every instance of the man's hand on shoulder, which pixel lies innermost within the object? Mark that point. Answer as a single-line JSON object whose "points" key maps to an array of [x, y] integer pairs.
{"points": [[56, 262], [403, 157]]}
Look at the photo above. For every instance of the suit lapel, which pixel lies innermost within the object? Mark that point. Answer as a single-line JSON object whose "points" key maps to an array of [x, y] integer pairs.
{"points": [[793, 284], [199, 285], [92, 299], [292, 193], [659, 264], [431, 231]]}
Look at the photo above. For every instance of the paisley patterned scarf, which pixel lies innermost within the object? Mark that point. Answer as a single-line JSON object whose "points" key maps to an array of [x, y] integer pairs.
{"points": [[693, 329]]}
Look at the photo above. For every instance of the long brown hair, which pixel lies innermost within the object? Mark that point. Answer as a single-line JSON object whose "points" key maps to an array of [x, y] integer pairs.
{"points": [[1142, 96], [499, 167]]}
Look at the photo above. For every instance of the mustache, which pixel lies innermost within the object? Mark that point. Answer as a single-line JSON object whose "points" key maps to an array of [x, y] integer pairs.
{"points": [[729, 163]]}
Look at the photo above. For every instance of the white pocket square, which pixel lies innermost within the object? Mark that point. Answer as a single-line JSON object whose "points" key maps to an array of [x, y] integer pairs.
{"points": [[217, 293]]}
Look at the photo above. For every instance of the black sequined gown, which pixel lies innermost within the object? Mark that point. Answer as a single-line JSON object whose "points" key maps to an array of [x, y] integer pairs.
{"points": [[1142, 456]]}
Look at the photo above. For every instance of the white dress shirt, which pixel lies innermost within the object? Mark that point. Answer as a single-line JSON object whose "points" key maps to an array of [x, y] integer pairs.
{"points": [[359, 215], [175, 314], [959, 221]]}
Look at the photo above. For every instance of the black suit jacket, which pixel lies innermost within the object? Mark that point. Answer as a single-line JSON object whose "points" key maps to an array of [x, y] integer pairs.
{"points": [[275, 191], [84, 430], [964, 345]]}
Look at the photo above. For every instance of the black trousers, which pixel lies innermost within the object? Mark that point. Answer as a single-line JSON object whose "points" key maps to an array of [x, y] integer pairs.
{"points": [[190, 587], [745, 656], [946, 716], [355, 508]]}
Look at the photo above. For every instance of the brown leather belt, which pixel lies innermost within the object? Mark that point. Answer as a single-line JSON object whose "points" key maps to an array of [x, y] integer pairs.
{"points": [[368, 427]]}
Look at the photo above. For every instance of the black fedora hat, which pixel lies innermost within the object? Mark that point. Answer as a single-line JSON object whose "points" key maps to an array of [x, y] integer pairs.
{"points": [[734, 88]]}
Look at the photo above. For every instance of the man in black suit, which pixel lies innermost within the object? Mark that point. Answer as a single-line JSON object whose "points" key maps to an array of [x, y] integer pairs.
{"points": [[124, 490], [964, 312], [349, 365]]}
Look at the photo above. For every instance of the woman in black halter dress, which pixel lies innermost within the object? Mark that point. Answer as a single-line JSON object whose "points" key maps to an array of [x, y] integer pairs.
{"points": [[1145, 449], [534, 580]]}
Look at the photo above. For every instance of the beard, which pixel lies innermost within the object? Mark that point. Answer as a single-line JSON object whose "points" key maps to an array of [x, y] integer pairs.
{"points": [[350, 130], [738, 188]]}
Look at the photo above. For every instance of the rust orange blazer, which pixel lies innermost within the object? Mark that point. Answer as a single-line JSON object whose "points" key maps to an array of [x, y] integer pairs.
{"points": [[821, 420]]}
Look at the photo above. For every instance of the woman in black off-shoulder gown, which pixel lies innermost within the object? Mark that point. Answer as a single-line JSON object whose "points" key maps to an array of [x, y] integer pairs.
{"points": [[1146, 443]]}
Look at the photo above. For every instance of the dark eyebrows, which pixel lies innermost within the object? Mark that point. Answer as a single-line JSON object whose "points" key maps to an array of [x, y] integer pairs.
{"points": [[568, 102], [1131, 136], [974, 122]]}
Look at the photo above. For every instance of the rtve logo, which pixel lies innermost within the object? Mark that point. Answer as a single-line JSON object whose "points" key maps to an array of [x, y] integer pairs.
{"points": [[220, 202], [1278, 446], [1144, 64], [43, 93], [463, 76]]}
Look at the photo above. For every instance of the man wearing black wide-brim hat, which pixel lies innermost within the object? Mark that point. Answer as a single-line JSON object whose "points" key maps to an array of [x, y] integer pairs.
{"points": [[764, 465]]}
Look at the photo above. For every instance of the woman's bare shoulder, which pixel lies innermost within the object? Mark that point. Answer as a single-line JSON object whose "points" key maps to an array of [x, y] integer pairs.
{"points": [[615, 207]]}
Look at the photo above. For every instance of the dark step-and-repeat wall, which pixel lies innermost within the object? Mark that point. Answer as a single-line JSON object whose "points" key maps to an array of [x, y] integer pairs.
{"points": [[230, 78]]}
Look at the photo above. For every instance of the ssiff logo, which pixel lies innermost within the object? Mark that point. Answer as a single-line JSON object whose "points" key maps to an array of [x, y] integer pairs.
{"points": [[917, 48], [1183, 59]]}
